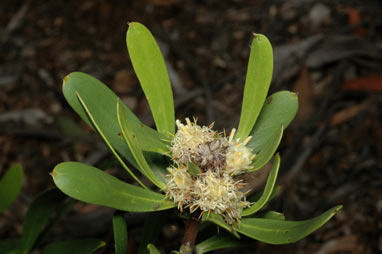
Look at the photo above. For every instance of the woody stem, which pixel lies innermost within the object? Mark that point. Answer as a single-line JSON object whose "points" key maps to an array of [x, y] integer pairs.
{"points": [[191, 231]]}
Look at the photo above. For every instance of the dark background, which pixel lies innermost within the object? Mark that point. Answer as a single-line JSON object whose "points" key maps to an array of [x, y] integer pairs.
{"points": [[329, 52]]}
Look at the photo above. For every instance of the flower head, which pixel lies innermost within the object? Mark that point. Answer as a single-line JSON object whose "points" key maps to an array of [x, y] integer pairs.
{"points": [[220, 159]]}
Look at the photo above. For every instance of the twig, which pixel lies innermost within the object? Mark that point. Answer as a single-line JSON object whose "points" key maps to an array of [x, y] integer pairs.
{"points": [[322, 112], [16, 20], [308, 150], [188, 243]]}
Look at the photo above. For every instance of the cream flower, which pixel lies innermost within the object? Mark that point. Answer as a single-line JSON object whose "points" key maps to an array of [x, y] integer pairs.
{"points": [[220, 159], [179, 186]]}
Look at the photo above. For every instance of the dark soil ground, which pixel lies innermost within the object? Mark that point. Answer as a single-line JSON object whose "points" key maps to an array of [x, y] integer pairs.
{"points": [[329, 52]]}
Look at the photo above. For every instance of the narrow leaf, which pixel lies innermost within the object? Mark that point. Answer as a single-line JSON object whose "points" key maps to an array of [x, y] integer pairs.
{"points": [[101, 102], [38, 215], [259, 77], [158, 164], [267, 190], [9, 246], [267, 151], [218, 220], [152, 249], [99, 130], [257, 196], [83, 246], [278, 110], [120, 233], [216, 242], [193, 169], [10, 186], [283, 232], [91, 185], [151, 229], [150, 68], [133, 142], [272, 215]]}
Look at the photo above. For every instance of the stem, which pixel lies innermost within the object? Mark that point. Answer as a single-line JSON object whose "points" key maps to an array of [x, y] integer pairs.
{"points": [[188, 243]]}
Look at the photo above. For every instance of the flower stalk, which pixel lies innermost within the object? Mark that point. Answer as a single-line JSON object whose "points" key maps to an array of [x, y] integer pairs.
{"points": [[192, 228]]}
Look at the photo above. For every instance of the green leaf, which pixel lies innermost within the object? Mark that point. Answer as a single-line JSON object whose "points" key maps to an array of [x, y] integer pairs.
{"points": [[193, 169], [218, 220], [38, 215], [133, 142], [268, 150], [96, 126], [10, 186], [120, 233], [279, 109], [83, 246], [151, 230], [150, 68], [91, 185], [158, 164], [267, 190], [152, 249], [259, 77], [9, 246], [101, 102], [257, 196], [272, 215], [282, 232], [71, 127], [216, 242]]}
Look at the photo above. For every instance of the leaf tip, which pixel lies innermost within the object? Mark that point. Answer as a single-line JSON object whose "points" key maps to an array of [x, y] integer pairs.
{"points": [[53, 173], [339, 207], [66, 79]]}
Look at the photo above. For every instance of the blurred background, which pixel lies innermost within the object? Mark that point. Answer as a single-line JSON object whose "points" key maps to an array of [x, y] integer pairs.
{"points": [[329, 52]]}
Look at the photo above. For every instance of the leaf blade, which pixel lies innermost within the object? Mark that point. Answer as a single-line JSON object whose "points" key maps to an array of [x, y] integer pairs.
{"points": [[120, 233], [10, 245], [106, 140], [267, 151], [258, 80], [10, 185], [82, 246], [132, 141], [151, 229], [216, 242], [279, 109], [91, 185], [101, 102], [38, 215], [273, 215], [151, 70], [267, 190], [218, 220], [152, 249], [283, 232]]}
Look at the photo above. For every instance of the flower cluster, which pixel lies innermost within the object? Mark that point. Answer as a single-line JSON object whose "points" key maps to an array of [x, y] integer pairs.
{"points": [[220, 159]]}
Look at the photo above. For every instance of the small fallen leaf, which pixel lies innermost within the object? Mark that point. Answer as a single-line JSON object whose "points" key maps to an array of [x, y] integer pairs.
{"points": [[355, 20], [365, 84], [303, 87], [346, 114]]}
